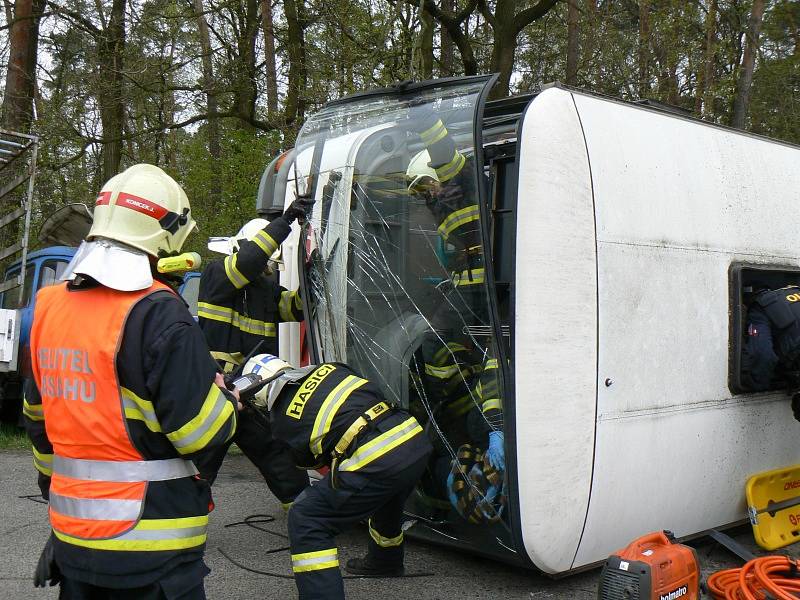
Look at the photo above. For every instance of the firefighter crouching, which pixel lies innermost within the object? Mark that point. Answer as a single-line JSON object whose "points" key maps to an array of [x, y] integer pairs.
{"points": [[330, 416], [124, 394], [239, 306]]}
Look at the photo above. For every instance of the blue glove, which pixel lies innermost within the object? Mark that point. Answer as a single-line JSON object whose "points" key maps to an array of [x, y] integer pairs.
{"points": [[496, 453]]}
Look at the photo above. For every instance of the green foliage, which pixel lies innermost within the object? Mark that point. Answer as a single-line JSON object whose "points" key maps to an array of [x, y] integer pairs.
{"points": [[656, 49], [244, 157]]}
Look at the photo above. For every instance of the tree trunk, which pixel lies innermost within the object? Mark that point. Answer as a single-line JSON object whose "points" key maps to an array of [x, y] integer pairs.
{"points": [[572, 42], [592, 32], [296, 51], [507, 26], [706, 74], [111, 98], [245, 91], [644, 49], [17, 110], [503, 51], [742, 101], [446, 55], [425, 46], [271, 69], [212, 107]]}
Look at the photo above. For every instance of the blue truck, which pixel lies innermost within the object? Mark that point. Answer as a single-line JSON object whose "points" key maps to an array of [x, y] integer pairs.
{"points": [[44, 267]]}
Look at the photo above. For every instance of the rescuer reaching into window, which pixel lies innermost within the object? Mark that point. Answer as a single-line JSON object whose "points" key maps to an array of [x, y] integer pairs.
{"points": [[124, 395], [240, 305], [329, 416], [462, 374], [771, 352]]}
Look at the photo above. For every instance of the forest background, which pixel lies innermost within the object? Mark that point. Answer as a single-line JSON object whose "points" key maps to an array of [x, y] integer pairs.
{"points": [[212, 90]]}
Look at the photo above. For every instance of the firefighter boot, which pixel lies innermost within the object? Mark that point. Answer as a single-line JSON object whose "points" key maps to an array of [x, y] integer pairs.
{"points": [[364, 567]]}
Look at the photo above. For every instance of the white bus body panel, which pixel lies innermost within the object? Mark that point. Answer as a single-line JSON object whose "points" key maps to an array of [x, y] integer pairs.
{"points": [[624, 246]]}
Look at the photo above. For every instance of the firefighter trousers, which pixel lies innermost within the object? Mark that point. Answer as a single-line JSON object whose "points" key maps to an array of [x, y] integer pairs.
{"points": [[321, 512], [185, 582], [272, 458]]}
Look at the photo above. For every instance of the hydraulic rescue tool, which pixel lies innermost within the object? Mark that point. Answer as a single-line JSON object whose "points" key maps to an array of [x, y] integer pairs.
{"points": [[653, 567], [180, 263]]}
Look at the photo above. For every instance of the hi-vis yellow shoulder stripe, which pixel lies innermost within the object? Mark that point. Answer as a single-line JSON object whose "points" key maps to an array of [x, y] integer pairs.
{"points": [[311, 383], [327, 411]]}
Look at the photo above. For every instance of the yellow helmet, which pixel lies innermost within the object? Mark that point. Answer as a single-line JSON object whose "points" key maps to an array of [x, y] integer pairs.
{"points": [[419, 169], [145, 208]]}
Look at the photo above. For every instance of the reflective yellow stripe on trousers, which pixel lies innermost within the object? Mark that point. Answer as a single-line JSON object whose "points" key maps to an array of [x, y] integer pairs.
{"points": [[384, 542], [314, 561]]}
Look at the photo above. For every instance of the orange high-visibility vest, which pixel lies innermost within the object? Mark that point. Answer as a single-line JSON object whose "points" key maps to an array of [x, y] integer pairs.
{"points": [[99, 478]]}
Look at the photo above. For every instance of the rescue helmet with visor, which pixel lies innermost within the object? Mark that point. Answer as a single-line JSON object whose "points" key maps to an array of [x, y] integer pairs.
{"points": [[420, 174]]}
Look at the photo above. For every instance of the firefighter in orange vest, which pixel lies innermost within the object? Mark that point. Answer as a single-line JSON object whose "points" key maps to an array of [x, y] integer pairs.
{"points": [[124, 394]]}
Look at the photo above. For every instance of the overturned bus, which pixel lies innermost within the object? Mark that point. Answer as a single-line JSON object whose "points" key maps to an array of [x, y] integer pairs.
{"points": [[588, 254]]}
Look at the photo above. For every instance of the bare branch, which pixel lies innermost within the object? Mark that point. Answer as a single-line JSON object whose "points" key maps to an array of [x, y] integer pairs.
{"points": [[529, 15]]}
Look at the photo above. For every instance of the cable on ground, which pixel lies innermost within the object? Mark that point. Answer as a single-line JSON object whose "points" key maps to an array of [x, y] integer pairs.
{"points": [[762, 578], [285, 576]]}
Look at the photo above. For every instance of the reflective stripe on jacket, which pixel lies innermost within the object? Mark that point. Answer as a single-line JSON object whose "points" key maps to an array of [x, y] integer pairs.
{"points": [[99, 478], [312, 414]]}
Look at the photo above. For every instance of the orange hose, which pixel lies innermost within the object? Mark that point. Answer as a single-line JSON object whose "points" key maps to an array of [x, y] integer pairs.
{"points": [[759, 577]]}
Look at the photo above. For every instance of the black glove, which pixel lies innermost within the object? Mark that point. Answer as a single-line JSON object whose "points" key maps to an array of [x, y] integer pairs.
{"points": [[47, 571], [298, 209], [796, 406]]}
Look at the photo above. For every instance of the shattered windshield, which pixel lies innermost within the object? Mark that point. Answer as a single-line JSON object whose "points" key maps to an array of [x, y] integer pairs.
{"points": [[396, 288]]}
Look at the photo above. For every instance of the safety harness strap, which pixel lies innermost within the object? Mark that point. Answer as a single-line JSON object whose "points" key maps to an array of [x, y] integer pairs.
{"points": [[123, 471], [356, 426]]}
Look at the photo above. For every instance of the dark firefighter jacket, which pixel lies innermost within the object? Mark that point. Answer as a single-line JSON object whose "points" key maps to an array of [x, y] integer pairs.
{"points": [[170, 409], [238, 306], [455, 203], [312, 414], [772, 344]]}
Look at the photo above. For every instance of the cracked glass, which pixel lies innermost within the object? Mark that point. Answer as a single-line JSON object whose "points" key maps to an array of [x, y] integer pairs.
{"points": [[395, 287]]}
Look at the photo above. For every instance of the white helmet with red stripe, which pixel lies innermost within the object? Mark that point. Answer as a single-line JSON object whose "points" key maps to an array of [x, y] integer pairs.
{"points": [[144, 208]]}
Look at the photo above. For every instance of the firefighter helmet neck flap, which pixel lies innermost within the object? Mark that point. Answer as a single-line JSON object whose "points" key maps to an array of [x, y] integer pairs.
{"points": [[139, 213]]}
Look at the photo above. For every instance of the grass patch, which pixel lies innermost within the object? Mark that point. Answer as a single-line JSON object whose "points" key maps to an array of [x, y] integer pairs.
{"points": [[13, 438]]}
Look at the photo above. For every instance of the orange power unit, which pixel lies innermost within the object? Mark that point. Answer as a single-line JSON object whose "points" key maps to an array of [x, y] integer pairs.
{"points": [[653, 567]]}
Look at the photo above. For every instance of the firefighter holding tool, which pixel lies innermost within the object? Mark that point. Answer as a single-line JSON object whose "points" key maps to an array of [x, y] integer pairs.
{"points": [[239, 307], [329, 416], [124, 396]]}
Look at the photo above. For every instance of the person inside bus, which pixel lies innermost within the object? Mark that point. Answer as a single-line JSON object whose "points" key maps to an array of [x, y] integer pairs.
{"points": [[771, 351], [460, 372]]}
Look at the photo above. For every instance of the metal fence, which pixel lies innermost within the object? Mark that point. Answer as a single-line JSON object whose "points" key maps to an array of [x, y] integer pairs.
{"points": [[17, 176]]}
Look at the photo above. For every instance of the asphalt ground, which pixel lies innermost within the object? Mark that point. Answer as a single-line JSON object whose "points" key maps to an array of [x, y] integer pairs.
{"points": [[238, 493]]}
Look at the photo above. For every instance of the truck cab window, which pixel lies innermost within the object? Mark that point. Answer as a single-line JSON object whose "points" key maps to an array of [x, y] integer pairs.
{"points": [[51, 272], [11, 296]]}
